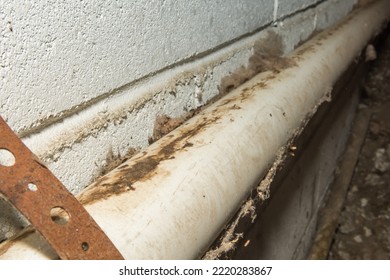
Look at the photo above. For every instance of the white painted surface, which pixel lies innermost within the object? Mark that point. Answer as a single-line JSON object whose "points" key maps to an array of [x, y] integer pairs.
{"points": [[181, 205], [286, 7], [57, 57]]}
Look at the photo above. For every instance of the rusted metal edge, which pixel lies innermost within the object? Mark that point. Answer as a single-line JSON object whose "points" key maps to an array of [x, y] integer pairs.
{"points": [[50, 208]]}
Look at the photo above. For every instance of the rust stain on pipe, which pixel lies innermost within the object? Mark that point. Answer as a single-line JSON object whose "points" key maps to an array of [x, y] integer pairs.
{"points": [[141, 169]]}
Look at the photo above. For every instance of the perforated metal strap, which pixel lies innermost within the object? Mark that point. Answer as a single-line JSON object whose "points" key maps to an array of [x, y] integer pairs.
{"points": [[48, 205]]}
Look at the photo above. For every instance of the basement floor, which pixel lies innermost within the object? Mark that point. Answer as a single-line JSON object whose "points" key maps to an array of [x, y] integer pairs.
{"points": [[364, 223]]}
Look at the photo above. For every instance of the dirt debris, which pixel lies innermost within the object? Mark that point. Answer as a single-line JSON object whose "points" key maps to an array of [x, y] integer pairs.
{"points": [[232, 236]]}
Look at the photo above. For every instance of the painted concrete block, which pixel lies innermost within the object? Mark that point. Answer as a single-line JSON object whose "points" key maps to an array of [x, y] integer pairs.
{"points": [[58, 58], [287, 7]]}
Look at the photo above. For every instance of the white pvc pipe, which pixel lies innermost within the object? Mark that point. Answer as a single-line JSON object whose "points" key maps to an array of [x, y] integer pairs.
{"points": [[172, 200]]}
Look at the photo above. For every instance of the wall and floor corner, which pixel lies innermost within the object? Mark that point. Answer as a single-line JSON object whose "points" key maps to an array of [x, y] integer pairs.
{"points": [[80, 81]]}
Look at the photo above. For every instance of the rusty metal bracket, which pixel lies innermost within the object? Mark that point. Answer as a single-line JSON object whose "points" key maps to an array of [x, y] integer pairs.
{"points": [[50, 208]]}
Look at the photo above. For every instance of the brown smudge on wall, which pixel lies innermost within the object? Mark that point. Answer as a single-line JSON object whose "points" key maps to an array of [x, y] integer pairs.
{"points": [[267, 56]]}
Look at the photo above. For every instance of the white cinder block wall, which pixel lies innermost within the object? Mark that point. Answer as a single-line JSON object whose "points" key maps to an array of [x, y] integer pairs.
{"points": [[79, 78]]}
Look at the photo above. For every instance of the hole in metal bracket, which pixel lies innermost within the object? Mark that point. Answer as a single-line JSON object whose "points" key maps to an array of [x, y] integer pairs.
{"points": [[59, 215], [6, 157], [32, 187], [85, 246]]}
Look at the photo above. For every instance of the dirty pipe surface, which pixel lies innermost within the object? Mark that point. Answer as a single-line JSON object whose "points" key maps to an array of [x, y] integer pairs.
{"points": [[172, 200]]}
